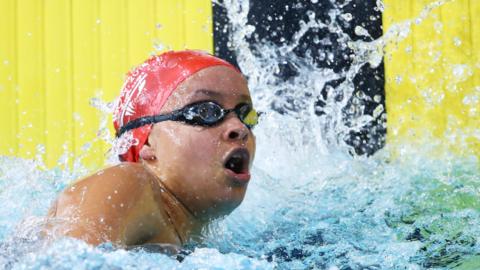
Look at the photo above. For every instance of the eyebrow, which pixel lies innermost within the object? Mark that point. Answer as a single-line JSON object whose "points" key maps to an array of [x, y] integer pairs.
{"points": [[214, 94]]}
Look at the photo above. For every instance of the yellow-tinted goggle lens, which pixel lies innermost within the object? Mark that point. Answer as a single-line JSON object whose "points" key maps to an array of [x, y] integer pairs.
{"points": [[251, 118]]}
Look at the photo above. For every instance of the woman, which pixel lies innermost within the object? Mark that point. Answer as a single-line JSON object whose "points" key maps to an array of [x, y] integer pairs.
{"points": [[185, 121]]}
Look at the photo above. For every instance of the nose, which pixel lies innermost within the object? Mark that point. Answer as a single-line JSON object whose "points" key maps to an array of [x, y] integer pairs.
{"points": [[235, 130]]}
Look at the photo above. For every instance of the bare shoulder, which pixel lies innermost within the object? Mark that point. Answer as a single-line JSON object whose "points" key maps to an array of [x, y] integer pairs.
{"points": [[124, 175], [118, 184], [104, 206]]}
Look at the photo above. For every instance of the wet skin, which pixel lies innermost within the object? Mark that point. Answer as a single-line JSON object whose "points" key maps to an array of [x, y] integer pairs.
{"points": [[180, 183]]}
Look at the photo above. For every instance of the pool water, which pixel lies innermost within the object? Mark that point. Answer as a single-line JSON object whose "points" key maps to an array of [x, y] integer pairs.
{"points": [[311, 204], [335, 212]]}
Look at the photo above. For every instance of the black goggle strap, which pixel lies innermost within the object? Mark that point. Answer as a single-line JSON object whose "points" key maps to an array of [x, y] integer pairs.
{"points": [[147, 120]]}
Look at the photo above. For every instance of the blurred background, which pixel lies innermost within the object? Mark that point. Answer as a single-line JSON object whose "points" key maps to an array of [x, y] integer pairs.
{"points": [[62, 63], [58, 56]]}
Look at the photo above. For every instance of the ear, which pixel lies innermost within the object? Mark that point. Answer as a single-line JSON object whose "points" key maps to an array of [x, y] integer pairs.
{"points": [[147, 153]]}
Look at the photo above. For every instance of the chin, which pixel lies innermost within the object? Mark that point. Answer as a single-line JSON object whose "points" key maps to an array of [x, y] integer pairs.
{"points": [[224, 205]]}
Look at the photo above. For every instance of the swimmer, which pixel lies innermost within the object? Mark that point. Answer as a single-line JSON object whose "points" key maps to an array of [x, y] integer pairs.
{"points": [[185, 121]]}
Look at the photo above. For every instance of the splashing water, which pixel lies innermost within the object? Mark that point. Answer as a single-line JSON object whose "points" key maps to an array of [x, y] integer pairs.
{"points": [[310, 204]]}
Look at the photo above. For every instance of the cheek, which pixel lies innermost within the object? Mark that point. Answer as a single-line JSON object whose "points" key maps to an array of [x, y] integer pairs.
{"points": [[202, 148], [252, 147], [192, 148]]}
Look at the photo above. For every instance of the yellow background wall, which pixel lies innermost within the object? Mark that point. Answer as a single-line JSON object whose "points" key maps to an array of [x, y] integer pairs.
{"points": [[433, 76], [56, 55]]}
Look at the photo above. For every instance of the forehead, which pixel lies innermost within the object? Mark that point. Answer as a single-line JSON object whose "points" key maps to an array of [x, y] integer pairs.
{"points": [[218, 83]]}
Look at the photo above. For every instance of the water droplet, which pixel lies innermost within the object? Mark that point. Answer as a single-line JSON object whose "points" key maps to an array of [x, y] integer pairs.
{"points": [[360, 95], [457, 41], [86, 146], [398, 79], [41, 149], [121, 205], [360, 31], [311, 15], [6, 62], [76, 116], [472, 112], [158, 25], [380, 5], [158, 46], [347, 17], [459, 70], [378, 111], [470, 100], [438, 26], [109, 197], [314, 1], [205, 28], [98, 21], [330, 57]]}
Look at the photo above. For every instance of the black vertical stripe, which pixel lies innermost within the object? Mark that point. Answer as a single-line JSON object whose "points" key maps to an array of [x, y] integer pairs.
{"points": [[274, 19]]}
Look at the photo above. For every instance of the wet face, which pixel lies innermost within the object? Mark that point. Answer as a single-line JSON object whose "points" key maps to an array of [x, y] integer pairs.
{"points": [[207, 168]]}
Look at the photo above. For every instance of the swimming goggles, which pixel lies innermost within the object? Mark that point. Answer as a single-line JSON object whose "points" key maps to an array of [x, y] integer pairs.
{"points": [[204, 113]]}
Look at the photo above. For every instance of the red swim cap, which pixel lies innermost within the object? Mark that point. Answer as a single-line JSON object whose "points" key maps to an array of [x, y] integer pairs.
{"points": [[147, 88]]}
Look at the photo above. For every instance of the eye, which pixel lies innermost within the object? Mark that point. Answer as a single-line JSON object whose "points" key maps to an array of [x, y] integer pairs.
{"points": [[209, 111], [243, 109], [203, 111]]}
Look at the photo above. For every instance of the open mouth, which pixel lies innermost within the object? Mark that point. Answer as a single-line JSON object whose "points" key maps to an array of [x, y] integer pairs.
{"points": [[236, 164]]}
